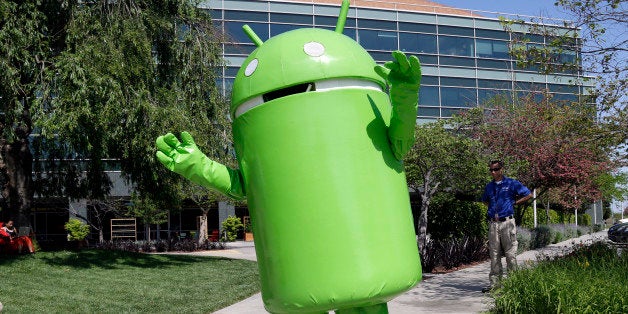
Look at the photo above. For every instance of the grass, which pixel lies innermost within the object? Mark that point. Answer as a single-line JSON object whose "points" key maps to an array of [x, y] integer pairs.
{"points": [[592, 279], [98, 281]]}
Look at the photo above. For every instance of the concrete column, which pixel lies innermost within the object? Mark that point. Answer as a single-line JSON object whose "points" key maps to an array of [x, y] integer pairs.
{"points": [[224, 210]]}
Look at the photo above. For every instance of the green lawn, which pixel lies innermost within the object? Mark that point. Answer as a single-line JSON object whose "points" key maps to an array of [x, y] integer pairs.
{"points": [[95, 281]]}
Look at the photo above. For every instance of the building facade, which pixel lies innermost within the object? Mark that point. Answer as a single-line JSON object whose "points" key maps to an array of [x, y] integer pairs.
{"points": [[464, 54]]}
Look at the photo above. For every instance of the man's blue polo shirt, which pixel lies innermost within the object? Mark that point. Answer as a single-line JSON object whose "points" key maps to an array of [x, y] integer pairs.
{"points": [[501, 197]]}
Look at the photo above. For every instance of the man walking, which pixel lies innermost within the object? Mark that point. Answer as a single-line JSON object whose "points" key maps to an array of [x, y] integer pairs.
{"points": [[501, 195]]}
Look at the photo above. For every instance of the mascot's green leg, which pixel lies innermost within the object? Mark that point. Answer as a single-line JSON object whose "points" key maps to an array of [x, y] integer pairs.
{"points": [[381, 308]]}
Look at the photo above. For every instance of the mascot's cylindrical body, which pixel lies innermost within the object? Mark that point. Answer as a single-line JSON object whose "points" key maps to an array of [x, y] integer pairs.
{"points": [[328, 199]]}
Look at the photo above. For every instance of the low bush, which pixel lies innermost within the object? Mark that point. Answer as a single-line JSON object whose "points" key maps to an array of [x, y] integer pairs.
{"points": [[592, 279], [153, 246], [451, 253]]}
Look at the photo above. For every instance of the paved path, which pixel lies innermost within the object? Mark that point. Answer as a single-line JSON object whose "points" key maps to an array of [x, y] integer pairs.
{"points": [[455, 292]]}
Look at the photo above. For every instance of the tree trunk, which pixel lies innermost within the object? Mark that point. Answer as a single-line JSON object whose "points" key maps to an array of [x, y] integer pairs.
{"points": [[202, 229], [547, 213], [422, 221], [17, 164]]}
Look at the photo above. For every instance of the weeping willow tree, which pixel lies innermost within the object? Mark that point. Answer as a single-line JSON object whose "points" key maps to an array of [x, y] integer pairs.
{"points": [[109, 78]]}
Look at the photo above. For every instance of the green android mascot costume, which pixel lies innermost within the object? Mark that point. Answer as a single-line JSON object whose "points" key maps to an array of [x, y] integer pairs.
{"points": [[319, 146]]}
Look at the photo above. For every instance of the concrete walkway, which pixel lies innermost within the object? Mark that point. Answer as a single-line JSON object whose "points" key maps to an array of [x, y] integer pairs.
{"points": [[456, 292]]}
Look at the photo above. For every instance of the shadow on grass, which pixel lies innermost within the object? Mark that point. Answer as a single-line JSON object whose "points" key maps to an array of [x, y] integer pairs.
{"points": [[106, 259]]}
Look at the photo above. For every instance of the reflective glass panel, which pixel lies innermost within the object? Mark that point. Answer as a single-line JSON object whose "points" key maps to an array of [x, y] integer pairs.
{"points": [[246, 16], [422, 43], [458, 97], [416, 27], [429, 80], [491, 95], [493, 64], [428, 111], [239, 49], [455, 30], [291, 18], [465, 62], [377, 24], [428, 96], [231, 71], [216, 14], [332, 21], [491, 49], [425, 59], [276, 29], [234, 30], [457, 81], [494, 84], [486, 33], [377, 40], [450, 112], [457, 46]]}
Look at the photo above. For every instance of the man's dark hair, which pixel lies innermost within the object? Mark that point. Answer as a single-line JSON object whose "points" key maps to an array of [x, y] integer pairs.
{"points": [[499, 162]]}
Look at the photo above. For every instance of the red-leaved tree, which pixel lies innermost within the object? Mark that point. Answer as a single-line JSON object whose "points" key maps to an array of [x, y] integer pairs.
{"points": [[547, 145]]}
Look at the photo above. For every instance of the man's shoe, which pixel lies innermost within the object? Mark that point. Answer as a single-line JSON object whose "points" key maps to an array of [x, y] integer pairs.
{"points": [[487, 289]]}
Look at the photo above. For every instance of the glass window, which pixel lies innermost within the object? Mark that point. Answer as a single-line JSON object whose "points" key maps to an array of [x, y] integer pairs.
{"points": [[458, 97], [429, 80], [428, 111], [486, 33], [239, 49], [455, 30], [377, 40], [417, 27], [246, 16], [457, 46], [573, 89], [491, 95], [231, 71], [229, 85], [457, 81], [234, 30], [381, 56], [494, 84], [428, 96], [450, 112], [276, 29], [493, 64], [565, 97], [376, 24], [417, 43], [215, 14], [465, 62], [425, 59], [529, 86], [291, 18], [332, 21], [491, 49]]}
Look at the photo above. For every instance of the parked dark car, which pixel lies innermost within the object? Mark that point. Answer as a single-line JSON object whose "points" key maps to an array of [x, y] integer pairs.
{"points": [[618, 233]]}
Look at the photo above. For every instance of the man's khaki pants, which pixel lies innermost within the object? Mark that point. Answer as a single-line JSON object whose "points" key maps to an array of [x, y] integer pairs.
{"points": [[502, 238]]}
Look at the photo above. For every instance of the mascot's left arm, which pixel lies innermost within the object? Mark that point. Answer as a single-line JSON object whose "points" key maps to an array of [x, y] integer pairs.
{"points": [[404, 77]]}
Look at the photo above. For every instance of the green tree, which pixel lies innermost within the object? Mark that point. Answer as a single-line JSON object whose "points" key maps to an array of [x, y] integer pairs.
{"points": [[441, 159], [25, 54], [99, 81]]}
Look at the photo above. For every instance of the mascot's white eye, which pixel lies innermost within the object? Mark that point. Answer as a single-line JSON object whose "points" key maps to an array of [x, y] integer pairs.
{"points": [[314, 49], [251, 67]]}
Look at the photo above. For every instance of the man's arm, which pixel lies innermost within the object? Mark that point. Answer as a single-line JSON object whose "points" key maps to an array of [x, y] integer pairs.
{"points": [[523, 199]]}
